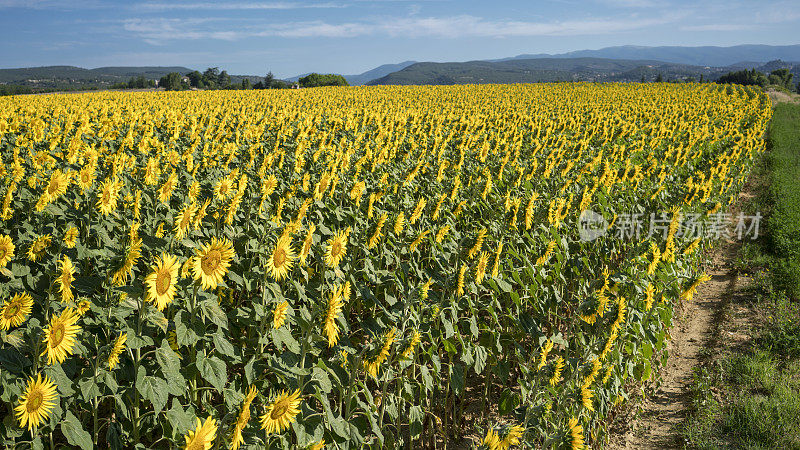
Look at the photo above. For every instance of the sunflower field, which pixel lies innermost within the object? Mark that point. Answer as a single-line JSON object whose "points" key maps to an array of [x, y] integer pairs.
{"points": [[378, 267]]}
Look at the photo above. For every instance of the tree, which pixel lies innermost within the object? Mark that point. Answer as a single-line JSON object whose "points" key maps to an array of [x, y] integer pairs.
{"points": [[246, 83], [642, 81], [315, 80], [659, 78], [211, 77], [781, 77], [196, 79], [701, 77], [798, 88], [745, 77], [171, 82], [224, 80], [268, 80]]}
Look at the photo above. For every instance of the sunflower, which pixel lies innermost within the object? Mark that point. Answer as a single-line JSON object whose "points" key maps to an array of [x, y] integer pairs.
{"points": [[399, 222], [71, 237], [83, 307], [557, 369], [512, 437], [212, 261], [109, 193], [306, 250], [15, 310], [241, 421], [280, 262], [318, 445], [376, 236], [478, 243], [65, 279], [59, 182], [416, 338], [336, 248], [161, 281], [372, 366], [279, 315], [119, 347], [60, 336], [688, 294], [335, 305], [223, 189], [38, 247], [36, 403], [460, 288], [586, 398], [480, 271], [6, 250], [125, 271], [492, 440], [576, 434], [281, 412], [203, 435], [183, 220]]}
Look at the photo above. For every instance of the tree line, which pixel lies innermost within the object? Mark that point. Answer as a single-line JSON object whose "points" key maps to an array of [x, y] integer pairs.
{"points": [[781, 78], [213, 78]]}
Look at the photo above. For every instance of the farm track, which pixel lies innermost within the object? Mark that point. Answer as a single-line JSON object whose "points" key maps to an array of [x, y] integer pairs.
{"points": [[701, 332]]}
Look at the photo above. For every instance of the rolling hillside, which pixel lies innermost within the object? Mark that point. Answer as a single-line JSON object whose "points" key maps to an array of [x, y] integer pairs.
{"points": [[77, 77], [544, 69], [711, 56]]}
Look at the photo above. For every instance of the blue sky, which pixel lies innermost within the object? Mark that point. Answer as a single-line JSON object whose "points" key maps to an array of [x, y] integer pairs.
{"points": [[351, 36]]}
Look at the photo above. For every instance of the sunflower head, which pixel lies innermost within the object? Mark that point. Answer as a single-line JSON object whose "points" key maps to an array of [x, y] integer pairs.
{"points": [[6, 250], [160, 283], [282, 258], [336, 248], [59, 336], [212, 261], [35, 405], [15, 310], [203, 435], [281, 412]]}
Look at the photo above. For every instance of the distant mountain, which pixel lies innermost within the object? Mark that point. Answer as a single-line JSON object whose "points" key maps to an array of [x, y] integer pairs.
{"points": [[74, 77], [710, 56], [363, 78], [380, 71], [545, 70]]}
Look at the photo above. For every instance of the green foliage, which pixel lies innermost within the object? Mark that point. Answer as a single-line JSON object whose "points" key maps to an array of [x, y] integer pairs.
{"points": [[317, 80], [750, 77], [171, 82]]}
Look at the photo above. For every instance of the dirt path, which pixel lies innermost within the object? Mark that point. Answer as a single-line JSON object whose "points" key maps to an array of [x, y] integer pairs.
{"points": [[697, 335]]}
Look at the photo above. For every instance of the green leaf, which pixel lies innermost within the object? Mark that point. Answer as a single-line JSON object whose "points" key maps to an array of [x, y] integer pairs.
{"points": [[480, 358], [214, 313], [448, 328], [155, 390], [171, 368], [178, 418], [415, 416], [184, 333], [213, 370], [89, 389], [457, 378], [74, 432], [322, 379], [222, 345]]}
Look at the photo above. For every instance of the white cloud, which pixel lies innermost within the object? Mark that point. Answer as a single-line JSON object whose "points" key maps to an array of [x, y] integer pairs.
{"points": [[719, 27], [197, 6], [411, 27]]}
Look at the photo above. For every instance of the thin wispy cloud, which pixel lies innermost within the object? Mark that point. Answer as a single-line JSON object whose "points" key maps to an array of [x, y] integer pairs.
{"points": [[719, 27], [463, 26], [233, 6]]}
